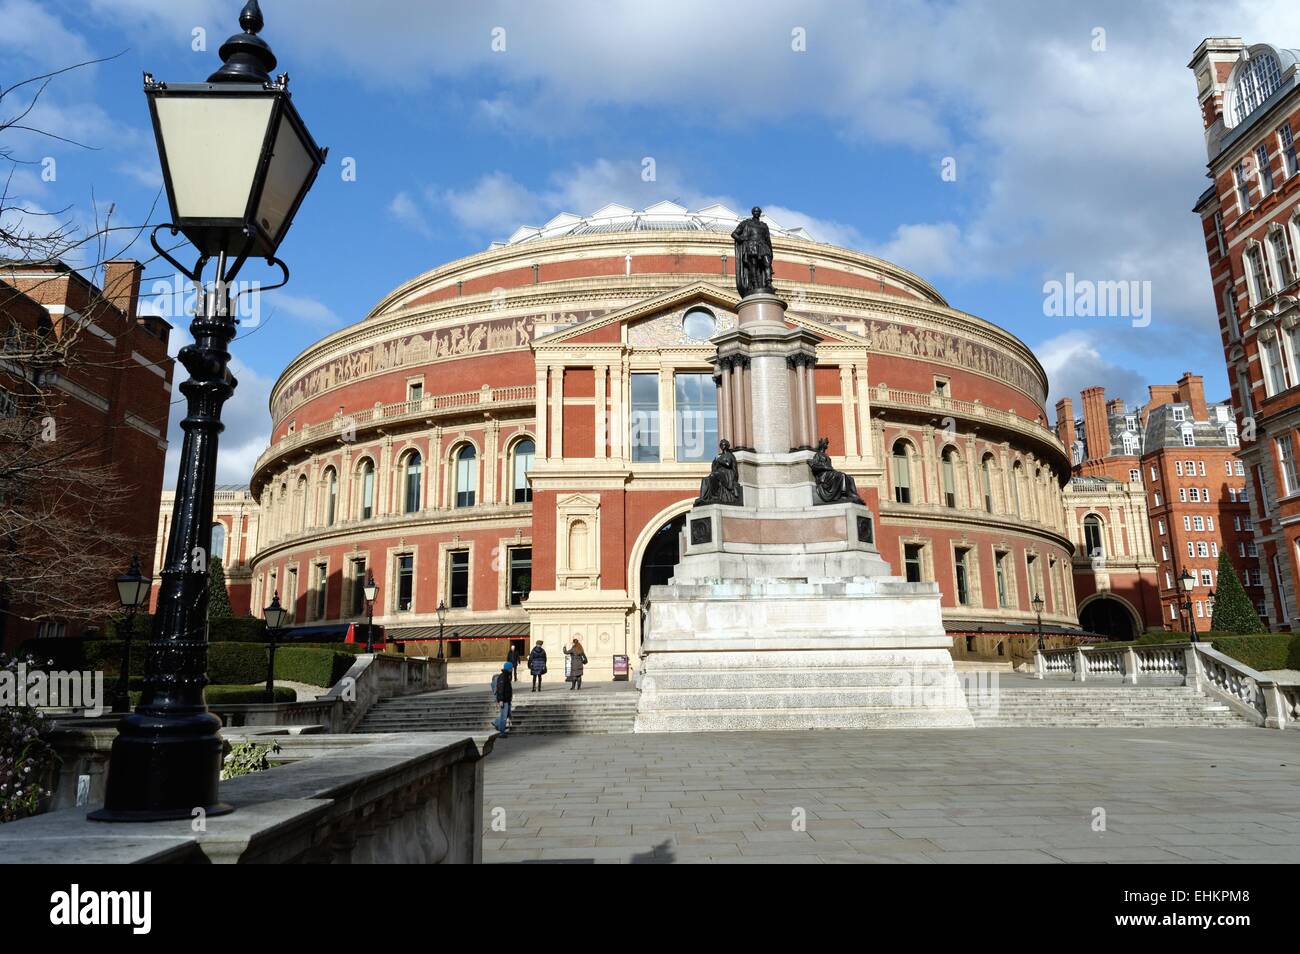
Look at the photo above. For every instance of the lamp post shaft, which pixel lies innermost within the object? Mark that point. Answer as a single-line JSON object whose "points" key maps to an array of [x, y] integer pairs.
{"points": [[166, 759]]}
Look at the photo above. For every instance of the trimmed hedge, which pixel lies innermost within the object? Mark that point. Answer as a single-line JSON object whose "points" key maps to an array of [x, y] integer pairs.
{"points": [[237, 629], [316, 667], [240, 695], [229, 663], [1268, 651]]}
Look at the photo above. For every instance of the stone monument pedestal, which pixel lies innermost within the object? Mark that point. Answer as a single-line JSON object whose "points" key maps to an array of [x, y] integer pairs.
{"points": [[781, 613]]}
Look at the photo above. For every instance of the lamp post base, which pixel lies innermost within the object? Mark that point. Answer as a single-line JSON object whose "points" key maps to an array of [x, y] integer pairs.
{"points": [[164, 767]]}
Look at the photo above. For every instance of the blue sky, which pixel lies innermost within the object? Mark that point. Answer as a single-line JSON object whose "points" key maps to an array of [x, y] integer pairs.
{"points": [[1074, 129]]}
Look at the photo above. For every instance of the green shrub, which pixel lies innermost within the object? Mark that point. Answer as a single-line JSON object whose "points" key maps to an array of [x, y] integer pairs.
{"points": [[237, 629], [236, 663], [240, 695], [316, 667], [246, 758], [1271, 651]]}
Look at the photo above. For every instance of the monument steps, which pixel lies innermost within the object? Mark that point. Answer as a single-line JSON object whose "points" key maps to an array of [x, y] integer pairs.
{"points": [[1102, 707], [555, 710]]}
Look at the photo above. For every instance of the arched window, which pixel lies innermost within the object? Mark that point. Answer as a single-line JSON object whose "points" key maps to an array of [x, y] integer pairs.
{"points": [[1258, 78], [1017, 472], [367, 495], [218, 550], [986, 477], [411, 474], [466, 475], [522, 463], [902, 473], [949, 469], [331, 495], [1092, 536]]}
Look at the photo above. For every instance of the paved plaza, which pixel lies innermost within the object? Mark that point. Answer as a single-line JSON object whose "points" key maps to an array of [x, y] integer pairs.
{"points": [[920, 796]]}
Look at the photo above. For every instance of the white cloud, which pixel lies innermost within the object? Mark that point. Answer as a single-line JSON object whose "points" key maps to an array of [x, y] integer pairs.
{"points": [[304, 308], [928, 250], [495, 205], [1077, 360], [405, 210]]}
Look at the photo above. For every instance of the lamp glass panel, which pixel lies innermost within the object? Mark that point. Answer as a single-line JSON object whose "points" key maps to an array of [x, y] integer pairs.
{"points": [[212, 146], [292, 165]]}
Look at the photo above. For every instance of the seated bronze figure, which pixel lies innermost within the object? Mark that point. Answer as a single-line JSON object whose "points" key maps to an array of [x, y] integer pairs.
{"points": [[722, 486], [830, 485]]}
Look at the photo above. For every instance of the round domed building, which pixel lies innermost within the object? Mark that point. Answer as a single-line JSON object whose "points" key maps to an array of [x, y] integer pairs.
{"points": [[517, 435]]}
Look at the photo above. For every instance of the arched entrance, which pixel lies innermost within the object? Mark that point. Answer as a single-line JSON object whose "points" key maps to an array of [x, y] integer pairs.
{"points": [[1109, 616], [660, 557]]}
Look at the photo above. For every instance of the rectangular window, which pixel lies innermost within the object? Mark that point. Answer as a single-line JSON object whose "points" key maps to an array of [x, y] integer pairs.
{"points": [[458, 579], [1161, 525], [1000, 571], [696, 416], [1206, 578], [1218, 234], [1187, 522], [322, 582], [521, 574], [1198, 523], [358, 601], [415, 391], [645, 417], [1178, 467], [962, 572], [1281, 257], [1286, 459], [1202, 549], [1164, 551], [1257, 273], [912, 562], [1287, 142], [1243, 187], [405, 581], [292, 603], [1265, 170]]}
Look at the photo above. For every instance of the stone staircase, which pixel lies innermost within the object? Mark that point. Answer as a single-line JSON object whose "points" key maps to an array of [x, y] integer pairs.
{"points": [[1127, 707], [555, 710]]}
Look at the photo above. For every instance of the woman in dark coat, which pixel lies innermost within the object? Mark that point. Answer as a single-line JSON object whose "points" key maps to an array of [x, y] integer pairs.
{"points": [[537, 665], [577, 659]]}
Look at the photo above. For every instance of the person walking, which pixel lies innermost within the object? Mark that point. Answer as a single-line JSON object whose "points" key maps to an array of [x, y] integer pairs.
{"points": [[577, 659], [512, 657], [505, 694], [537, 665]]}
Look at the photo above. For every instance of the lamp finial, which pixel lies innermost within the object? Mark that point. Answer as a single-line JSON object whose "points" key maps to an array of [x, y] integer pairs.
{"points": [[245, 57]]}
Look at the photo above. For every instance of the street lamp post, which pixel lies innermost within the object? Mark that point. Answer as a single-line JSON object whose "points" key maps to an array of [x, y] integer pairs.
{"points": [[1038, 610], [237, 161], [275, 615], [442, 620], [1186, 580], [132, 592], [371, 590]]}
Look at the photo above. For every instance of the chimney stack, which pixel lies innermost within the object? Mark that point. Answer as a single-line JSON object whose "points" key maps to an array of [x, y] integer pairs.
{"points": [[1191, 389], [122, 285], [1065, 422], [1096, 429]]}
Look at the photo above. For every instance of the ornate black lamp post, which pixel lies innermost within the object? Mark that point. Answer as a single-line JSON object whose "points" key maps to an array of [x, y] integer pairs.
{"points": [[275, 615], [442, 620], [237, 162], [1187, 581], [133, 593], [1038, 611], [371, 590]]}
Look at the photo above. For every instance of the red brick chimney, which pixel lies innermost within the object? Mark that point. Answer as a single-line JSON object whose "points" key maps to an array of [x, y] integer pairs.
{"points": [[1191, 389], [1096, 430], [1065, 422], [122, 285]]}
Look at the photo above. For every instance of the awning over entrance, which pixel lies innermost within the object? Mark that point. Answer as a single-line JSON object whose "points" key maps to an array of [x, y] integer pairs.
{"points": [[517, 630]]}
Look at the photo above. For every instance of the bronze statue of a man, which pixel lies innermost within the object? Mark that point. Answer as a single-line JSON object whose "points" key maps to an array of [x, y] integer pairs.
{"points": [[753, 255], [722, 486], [831, 485]]}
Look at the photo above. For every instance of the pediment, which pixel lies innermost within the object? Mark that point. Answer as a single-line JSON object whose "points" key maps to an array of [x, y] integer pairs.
{"points": [[656, 320]]}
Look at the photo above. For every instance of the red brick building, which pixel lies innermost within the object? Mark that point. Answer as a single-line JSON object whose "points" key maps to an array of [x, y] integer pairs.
{"points": [[1250, 108], [109, 398], [518, 434], [1158, 490]]}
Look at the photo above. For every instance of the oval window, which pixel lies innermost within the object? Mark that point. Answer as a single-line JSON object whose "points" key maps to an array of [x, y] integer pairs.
{"points": [[699, 324]]}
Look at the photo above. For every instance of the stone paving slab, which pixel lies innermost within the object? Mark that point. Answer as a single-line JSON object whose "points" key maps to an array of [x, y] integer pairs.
{"points": [[1009, 796]]}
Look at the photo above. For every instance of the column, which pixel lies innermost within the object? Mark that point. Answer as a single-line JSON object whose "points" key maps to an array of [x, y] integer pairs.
{"points": [[618, 417], [722, 377], [738, 408], [602, 426], [864, 412], [747, 394], [846, 402], [491, 461], [539, 413], [667, 416], [556, 446], [810, 398], [798, 416], [435, 467]]}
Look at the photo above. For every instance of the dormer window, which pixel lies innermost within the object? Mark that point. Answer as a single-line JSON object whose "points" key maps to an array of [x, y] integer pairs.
{"points": [[1257, 79], [1189, 436], [1131, 422], [1179, 414]]}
